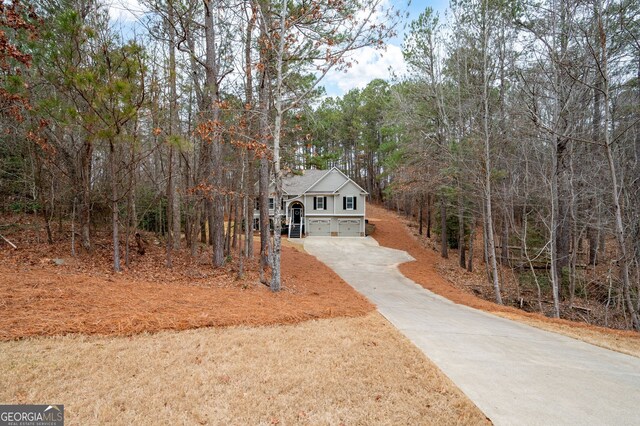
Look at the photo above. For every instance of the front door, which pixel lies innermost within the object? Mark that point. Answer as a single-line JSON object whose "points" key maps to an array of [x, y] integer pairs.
{"points": [[297, 215]]}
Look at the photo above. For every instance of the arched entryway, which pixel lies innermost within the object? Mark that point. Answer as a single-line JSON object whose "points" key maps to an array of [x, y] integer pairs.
{"points": [[296, 221]]}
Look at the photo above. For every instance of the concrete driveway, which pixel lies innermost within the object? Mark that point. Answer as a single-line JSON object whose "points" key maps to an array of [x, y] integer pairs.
{"points": [[516, 374]]}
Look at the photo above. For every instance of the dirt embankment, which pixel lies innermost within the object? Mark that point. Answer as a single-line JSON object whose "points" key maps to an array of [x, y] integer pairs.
{"points": [[392, 231]]}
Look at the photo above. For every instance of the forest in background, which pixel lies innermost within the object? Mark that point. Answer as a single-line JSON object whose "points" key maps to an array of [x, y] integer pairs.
{"points": [[517, 126], [166, 126]]}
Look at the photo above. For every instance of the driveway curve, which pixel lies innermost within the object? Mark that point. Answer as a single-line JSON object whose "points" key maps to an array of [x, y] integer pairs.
{"points": [[514, 373]]}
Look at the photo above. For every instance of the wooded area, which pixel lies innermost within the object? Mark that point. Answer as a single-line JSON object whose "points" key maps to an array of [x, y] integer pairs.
{"points": [[167, 130], [518, 125]]}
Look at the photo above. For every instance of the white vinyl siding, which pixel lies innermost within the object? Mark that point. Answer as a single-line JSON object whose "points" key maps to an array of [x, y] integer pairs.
{"points": [[329, 182], [352, 191]]}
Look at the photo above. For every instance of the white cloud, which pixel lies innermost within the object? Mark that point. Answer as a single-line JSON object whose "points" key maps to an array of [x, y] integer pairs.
{"points": [[125, 10], [368, 64], [376, 16]]}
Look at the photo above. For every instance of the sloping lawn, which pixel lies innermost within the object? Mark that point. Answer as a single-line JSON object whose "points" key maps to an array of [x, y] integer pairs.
{"points": [[335, 371], [38, 298]]}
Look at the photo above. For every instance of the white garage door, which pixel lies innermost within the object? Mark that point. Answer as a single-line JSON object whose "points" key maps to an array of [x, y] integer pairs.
{"points": [[319, 227], [349, 228]]}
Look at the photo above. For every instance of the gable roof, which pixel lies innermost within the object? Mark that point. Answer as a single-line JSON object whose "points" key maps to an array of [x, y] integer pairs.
{"points": [[347, 181], [353, 182], [298, 184]]}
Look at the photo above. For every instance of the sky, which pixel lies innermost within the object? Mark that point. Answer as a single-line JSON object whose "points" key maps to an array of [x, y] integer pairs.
{"points": [[384, 64], [369, 63]]}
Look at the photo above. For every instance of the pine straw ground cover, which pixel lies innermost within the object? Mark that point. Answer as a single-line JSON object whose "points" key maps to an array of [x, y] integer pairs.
{"points": [[136, 368], [84, 296], [393, 232], [356, 371]]}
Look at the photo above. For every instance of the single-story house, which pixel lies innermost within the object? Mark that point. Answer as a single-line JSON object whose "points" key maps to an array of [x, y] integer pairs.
{"points": [[320, 203]]}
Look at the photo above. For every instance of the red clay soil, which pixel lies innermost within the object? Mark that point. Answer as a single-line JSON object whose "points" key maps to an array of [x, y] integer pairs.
{"points": [[38, 298], [391, 231]]}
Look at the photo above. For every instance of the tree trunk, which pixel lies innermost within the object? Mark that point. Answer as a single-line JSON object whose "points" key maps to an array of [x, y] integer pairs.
{"points": [[263, 130], [461, 233], [247, 167], [624, 258], [561, 225], [485, 245], [203, 223], [472, 239], [73, 227], [487, 157], [491, 247], [249, 209], [216, 207], [244, 183], [174, 157], [39, 193], [592, 236], [504, 240], [420, 205], [264, 214], [592, 232], [230, 230], [86, 161], [563, 240], [444, 244], [573, 259], [276, 279], [209, 206], [132, 220], [429, 215], [237, 217], [197, 229], [554, 238], [170, 190], [114, 207]]}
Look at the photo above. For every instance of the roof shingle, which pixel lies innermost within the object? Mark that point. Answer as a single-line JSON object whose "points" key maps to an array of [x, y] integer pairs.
{"points": [[298, 184]]}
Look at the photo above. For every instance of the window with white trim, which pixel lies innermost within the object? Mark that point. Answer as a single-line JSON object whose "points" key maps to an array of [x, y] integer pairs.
{"points": [[319, 203], [271, 204], [349, 203]]}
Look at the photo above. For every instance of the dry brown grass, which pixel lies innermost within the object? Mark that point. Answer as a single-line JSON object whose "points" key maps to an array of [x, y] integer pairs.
{"points": [[338, 371], [392, 231]]}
